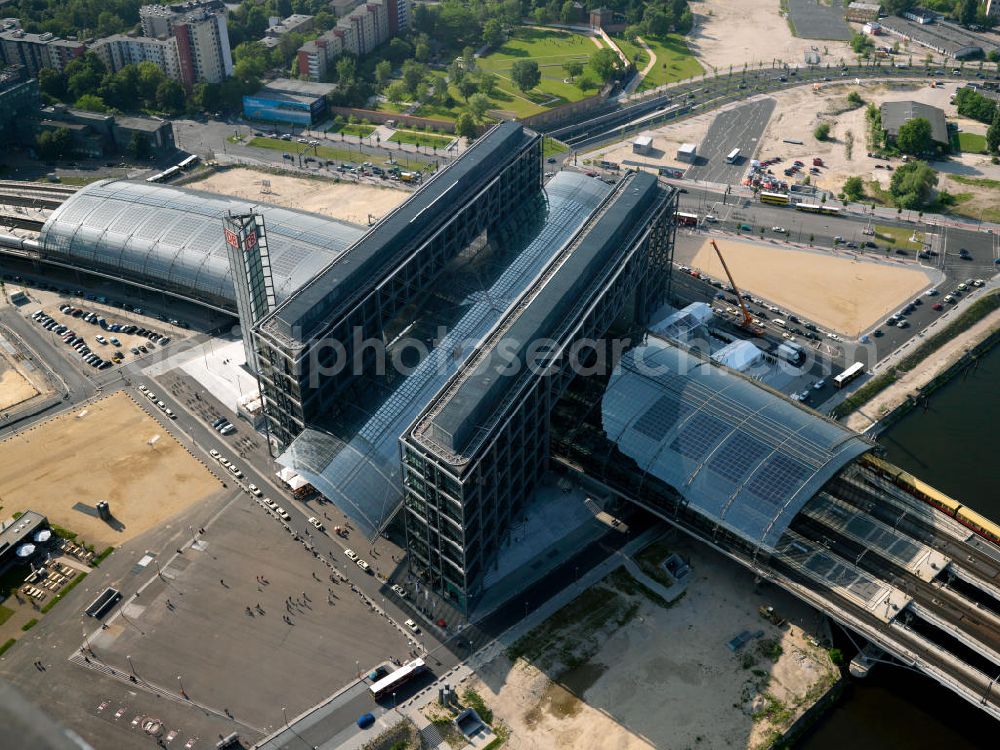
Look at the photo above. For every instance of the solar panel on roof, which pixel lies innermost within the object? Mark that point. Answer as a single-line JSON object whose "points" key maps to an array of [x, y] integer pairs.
{"points": [[738, 454], [657, 421], [698, 436]]}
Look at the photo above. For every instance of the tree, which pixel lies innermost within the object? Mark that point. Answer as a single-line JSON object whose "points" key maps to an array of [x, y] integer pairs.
{"points": [[383, 72], [854, 99], [52, 83], [587, 82], [456, 72], [898, 7], [468, 87], [915, 136], [469, 59], [91, 103], [465, 126], [567, 14], [399, 50], [83, 75], [606, 63], [422, 52], [854, 188], [478, 105], [573, 68], [54, 144], [397, 93], [487, 83], [413, 74], [525, 74], [138, 146], [861, 44], [822, 131], [655, 21], [970, 103], [911, 184], [967, 11], [492, 33], [993, 134], [170, 97]]}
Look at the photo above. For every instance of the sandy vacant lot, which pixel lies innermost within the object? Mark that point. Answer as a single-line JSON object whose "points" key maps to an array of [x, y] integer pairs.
{"points": [[732, 32], [665, 678], [838, 292], [101, 455], [14, 388], [341, 200], [799, 110]]}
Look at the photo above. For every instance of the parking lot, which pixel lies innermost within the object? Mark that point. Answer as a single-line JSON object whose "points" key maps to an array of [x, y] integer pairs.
{"points": [[99, 341], [816, 20], [251, 622], [740, 128]]}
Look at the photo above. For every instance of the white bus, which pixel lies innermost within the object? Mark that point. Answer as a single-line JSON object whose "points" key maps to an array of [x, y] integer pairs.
{"points": [[734, 155], [848, 375]]}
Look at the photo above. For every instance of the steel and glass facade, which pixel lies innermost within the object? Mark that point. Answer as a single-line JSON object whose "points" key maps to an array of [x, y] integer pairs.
{"points": [[311, 349], [172, 239], [476, 453], [250, 262]]}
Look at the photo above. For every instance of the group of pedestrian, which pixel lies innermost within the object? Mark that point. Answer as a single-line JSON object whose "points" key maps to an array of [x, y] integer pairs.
{"points": [[39, 666]]}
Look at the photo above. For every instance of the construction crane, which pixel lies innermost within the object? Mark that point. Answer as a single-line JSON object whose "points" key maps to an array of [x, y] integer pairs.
{"points": [[747, 323]]}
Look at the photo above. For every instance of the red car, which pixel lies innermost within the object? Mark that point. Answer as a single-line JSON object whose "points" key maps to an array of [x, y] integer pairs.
{"points": [[937, 306], [798, 163]]}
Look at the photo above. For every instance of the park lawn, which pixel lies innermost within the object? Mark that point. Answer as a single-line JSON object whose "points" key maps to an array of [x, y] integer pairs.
{"points": [[552, 147], [900, 237], [362, 131], [674, 61], [5, 614], [972, 143], [420, 139], [326, 152], [636, 54]]}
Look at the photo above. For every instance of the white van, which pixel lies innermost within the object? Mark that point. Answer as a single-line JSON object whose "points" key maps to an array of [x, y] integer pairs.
{"points": [[779, 322]]}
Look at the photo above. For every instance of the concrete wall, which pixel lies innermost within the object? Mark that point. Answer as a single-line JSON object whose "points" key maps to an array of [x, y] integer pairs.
{"points": [[380, 117]]}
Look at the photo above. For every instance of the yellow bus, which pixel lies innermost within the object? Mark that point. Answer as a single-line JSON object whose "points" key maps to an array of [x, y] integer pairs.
{"points": [[775, 199]]}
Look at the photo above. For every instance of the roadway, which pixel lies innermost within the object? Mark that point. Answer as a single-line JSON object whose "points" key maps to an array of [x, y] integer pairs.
{"points": [[740, 127], [705, 94]]}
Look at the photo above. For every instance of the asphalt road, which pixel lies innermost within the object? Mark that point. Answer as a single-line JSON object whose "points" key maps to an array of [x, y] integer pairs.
{"points": [[705, 94], [740, 128]]}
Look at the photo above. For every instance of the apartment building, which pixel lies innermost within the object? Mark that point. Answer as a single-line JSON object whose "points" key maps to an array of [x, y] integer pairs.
{"points": [[357, 33], [35, 51], [119, 50]]}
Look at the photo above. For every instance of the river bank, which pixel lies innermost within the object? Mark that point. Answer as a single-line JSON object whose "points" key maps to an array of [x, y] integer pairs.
{"points": [[911, 383]]}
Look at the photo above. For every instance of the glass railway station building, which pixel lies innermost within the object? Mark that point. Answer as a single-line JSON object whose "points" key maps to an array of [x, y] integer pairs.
{"points": [[484, 259]]}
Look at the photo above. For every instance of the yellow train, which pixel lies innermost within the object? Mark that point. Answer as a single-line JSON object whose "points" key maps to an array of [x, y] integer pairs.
{"points": [[923, 491]]}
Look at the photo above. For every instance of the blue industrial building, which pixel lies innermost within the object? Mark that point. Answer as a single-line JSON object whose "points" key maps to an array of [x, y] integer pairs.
{"points": [[288, 101]]}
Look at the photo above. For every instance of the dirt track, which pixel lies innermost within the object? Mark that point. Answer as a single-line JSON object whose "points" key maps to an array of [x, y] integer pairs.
{"points": [[100, 451]]}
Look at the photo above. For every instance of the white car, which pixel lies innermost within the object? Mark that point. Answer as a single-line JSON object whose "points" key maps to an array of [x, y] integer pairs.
{"points": [[364, 566], [399, 590], [779, 230], [412, 626], [254, 490], [215, 454], [151, 396], [270, 503], [317, 523], [282, 512], [351, 554], [235, 469], [169, 412], [143, 389]]}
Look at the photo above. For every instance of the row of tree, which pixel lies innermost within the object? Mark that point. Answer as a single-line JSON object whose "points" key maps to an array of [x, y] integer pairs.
{"points": [[965, 12], [86, 83]]}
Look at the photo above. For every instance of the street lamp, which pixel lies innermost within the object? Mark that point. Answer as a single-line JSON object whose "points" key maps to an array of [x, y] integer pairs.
{"points": [[181, 684], [130, 664]]}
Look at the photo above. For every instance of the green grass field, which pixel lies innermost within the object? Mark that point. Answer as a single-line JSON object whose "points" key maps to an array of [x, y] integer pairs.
{"points": [[339, 154], [636, 54], [900, 237], [362, 131], [552, 147], [420, 139], [551, 49], [972, 143], [674, 61]]}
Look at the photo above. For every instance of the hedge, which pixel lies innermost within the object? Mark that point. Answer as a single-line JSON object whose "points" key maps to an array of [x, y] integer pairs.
{"points": [[66, 589]]}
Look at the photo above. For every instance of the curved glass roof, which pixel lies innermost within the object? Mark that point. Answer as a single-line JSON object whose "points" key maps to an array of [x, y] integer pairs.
{"points": [[171, 238], [361, 474], [739, 453]]}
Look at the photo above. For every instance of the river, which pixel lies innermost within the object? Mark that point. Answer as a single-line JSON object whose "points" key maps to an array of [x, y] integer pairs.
{"points": [[952, 446]]}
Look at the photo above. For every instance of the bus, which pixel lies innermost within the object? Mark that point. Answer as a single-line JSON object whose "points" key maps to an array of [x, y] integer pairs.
{"points": [[775, 199], [392, 682], [812, 208], [734, 155], [188, 162], [849, 374], [685, 219], [831, 210]]}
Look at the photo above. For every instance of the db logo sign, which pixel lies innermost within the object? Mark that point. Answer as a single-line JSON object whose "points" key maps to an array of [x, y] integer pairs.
{"points": [[251, 241], [231, 238]]}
